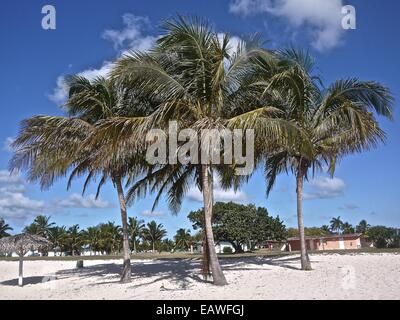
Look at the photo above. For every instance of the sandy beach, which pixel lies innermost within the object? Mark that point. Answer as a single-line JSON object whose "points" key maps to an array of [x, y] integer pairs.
{"points": [[350, 276]]}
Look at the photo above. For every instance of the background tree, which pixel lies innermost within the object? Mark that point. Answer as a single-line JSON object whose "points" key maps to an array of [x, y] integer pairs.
{"points": [[58, 236], [384, 237], [241, 224], [4, 227], [41, 226], [135, 227], [74, 240], [336, 225], [92, 237], [153, 233], [111, 237], [309, 232], [183, 239], [362, 227], [347, 228]]}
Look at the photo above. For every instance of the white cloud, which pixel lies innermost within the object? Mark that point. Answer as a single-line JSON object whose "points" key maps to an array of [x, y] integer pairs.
{"points": [[149, 213], [325, 188], [194, 194], [76, 200], [60, 92], [133, 36], [14, 204], [7, 144], [10, 178], [321, 18]]}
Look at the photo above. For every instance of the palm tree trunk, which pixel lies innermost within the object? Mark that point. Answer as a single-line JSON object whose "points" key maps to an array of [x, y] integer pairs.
{"points": [[305, 261], [154, 247], [126, 271], [206, 180], [20, 273], [134, 245]]}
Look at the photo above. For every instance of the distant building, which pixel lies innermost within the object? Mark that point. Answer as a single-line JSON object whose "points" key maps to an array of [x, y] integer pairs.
{"points": [[331, 242]]}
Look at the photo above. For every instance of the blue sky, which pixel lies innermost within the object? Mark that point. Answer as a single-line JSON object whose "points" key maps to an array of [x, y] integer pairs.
{"points": [[89, 34]]}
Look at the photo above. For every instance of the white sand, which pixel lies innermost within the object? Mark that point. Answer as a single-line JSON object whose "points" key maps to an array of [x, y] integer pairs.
{"points": [[360, 276]]}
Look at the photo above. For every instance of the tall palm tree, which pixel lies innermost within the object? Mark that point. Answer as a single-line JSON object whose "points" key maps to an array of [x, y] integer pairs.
{"points": [[201, 82], [154, 232], [75, 239], [362, 227], [111, 237], [332, 122], [40, 226], [58, 237], [347, 228], [92, 238], [50, 147], [336, 225], [135, 227], [183, 238], [4, 227]]}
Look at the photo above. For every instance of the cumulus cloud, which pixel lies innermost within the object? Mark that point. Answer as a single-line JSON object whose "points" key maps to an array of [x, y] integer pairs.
{"points": [[325, 188], [150, 214], [14, 204], [321, 18], [194, 194], [76, 200], [60, 92], [18, 207], [133, 36]]}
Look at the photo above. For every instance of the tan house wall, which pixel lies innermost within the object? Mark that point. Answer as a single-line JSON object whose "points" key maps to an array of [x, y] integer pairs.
{"points": [[328, 244]]}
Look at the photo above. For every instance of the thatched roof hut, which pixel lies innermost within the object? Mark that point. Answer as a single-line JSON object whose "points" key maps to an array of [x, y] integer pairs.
{"points": [[21, 244]]}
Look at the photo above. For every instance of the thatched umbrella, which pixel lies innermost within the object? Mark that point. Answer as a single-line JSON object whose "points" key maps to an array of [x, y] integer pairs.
{"points": [[21, 244]]}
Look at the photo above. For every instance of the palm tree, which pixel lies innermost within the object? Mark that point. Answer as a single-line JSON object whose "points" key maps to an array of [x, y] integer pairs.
{"points": [[326, 229], [332, 122], [4, 227], [183, 239], [74, 239], [49, 147], [336, 225], [92, 237], [41, 226], [111, 237], [154, 232], [135, 227], [363, 227], [58, 237], [201, 84], [347, 228]]}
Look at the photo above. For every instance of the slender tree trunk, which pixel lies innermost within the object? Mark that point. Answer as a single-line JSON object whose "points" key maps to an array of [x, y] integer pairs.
{"points": [[134, 245], [305, 261], [20, 273], [154, 247], [126, 271], [217, 274]]}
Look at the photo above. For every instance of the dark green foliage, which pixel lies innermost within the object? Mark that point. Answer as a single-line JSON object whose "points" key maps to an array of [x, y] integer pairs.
{"points": [[241, 224]]}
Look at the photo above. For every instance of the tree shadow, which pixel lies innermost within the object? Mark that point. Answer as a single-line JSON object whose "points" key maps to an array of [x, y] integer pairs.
{"points": [[28, 280], [181, 273]]}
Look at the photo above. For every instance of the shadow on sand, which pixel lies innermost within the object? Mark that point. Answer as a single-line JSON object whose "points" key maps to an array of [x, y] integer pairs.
{"points": [[28, 280], [182, 273]]}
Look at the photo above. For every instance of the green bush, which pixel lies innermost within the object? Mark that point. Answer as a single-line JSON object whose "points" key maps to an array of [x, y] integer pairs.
{"points": [[227, 250]]}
